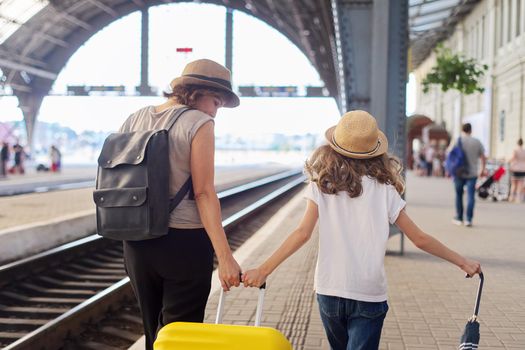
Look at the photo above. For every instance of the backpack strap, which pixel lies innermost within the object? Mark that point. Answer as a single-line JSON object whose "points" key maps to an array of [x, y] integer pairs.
{"points": [[467, 164], [176, 116], [460, 145], [188, 185]]}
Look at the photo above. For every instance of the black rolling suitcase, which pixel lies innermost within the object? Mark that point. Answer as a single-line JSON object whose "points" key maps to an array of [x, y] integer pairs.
{"points": [[470, 338]]}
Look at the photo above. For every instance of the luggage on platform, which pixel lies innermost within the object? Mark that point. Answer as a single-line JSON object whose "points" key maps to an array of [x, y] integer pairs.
{"points": [[484, 190], [205, 336], [470, 337], [456, 162]]}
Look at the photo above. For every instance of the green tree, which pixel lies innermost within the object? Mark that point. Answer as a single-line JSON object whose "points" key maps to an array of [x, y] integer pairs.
{"points": [[455, 71]]}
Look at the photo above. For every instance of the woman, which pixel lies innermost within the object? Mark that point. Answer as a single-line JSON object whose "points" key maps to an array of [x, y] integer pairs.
{"points": [[171, 275], [517, 172]]}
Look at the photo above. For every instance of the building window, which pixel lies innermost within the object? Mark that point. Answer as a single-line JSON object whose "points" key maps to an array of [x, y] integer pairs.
{"points": [[501, 27], [473, 41], [509, 20], [518, 17], [478, 36], [502, 126], [483, 37]]}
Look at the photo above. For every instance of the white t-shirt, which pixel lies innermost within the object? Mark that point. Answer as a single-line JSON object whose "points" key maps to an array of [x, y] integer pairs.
{"points": [[353, 233]]}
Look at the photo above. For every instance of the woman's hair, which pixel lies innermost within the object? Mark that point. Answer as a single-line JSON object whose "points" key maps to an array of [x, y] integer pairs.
{"points": [[520, 142], [189, 94], [333, 172]]}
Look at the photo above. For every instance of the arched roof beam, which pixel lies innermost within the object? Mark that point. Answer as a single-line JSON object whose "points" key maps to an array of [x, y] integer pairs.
{"points": [[139, 3], [70, 18], [29, 69], [36, 31], [324, 67], [95, 14], [303, 31], [21, 59], [104, 8]]}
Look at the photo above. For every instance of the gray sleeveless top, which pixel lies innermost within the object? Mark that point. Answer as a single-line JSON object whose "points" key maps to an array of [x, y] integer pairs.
{"points": [[186, 214]]}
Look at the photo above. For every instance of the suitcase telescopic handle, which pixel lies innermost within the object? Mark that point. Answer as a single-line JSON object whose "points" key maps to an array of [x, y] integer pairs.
{"points": [[258, 313], [478, 297]]}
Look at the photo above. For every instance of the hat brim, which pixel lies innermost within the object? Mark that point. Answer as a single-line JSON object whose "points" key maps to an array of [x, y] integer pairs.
{"points": [[382, 149], [233, 99]]}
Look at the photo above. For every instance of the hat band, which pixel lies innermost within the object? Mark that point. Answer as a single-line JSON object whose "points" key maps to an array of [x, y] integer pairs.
{"points": [[368, 152], [220, 81]]}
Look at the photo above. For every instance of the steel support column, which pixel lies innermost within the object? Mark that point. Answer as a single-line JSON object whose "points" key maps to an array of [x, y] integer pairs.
{"points": [[372, 44], [389, 71], [144, 88], [353, 34], [371, 41], [30, 104], [229, 39]]}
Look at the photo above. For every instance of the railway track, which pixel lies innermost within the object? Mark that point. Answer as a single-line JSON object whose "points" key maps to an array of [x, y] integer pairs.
{"points": [[77, 296]]}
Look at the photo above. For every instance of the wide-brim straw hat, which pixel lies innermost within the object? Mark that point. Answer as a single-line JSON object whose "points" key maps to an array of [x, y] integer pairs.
{"points": [[206, 72], [357, 136]]}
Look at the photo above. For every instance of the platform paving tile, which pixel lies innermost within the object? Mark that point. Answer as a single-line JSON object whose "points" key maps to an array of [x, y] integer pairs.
{"points": [[430, 300]]}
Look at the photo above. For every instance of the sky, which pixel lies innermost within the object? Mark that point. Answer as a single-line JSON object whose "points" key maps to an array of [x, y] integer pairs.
{"points": [[261, 56]]}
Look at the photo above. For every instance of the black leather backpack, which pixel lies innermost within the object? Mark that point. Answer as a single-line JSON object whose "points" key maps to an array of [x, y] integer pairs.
{"points": [[132, 187]]}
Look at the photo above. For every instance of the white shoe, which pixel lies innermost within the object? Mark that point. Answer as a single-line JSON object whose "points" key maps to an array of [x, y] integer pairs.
{"points": [[457, 222], [468, 223]]}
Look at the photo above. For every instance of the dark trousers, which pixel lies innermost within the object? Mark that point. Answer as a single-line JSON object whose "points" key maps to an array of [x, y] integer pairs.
{"points": [[171, 277], [459, 184], [352, 324]]}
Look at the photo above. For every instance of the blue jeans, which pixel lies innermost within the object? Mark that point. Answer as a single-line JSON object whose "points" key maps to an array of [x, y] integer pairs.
{"points": [[459, 184], [351, 324]]}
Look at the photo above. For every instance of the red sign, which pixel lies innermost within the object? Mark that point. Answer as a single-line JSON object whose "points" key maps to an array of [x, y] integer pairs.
{"points": [[184, 49]]}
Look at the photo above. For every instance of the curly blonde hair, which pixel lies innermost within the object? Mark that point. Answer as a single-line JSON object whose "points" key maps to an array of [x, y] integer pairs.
{"points": [[333, 172]]}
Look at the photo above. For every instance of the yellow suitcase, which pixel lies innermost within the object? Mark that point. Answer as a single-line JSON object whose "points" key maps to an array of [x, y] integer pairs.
{"points": [[205, 336]]}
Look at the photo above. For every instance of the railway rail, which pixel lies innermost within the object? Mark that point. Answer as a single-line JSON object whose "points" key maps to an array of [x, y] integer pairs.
{"points": [[77, 296]]}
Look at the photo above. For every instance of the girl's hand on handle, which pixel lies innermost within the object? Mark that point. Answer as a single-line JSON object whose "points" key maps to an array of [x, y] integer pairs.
{"points": [[229, 273], [296, 239], [471, 267], [253, 278]]}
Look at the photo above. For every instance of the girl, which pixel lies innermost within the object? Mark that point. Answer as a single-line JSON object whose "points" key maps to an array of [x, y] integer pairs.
{"points": [[354, 190]]}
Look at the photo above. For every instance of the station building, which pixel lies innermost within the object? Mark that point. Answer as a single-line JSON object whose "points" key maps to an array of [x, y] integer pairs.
{"points": [[493, 33]]}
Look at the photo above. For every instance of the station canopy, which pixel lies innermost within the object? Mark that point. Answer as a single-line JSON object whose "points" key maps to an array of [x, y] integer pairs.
{"points": [[37, 37], [15, 13], [431, 21]]}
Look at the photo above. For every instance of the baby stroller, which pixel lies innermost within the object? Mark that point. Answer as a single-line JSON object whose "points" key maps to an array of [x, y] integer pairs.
{"points": [[489, 186]]}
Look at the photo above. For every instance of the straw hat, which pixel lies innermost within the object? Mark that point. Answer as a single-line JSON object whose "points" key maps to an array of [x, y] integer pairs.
{"points": [[357, 136], [206, 72]]}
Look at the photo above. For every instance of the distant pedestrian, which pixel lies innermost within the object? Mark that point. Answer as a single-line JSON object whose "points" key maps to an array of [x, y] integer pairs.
{"points": [[430, 154], [171, 275], [441, 158], [56, 159], [19, 158], [421, 164], [517, 172], [4, 158], [354, 192], [474, 152]]}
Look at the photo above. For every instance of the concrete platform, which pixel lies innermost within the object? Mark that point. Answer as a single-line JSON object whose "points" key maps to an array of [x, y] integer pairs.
{"points": [[33, 180], [430, 300], [31, 223]]}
